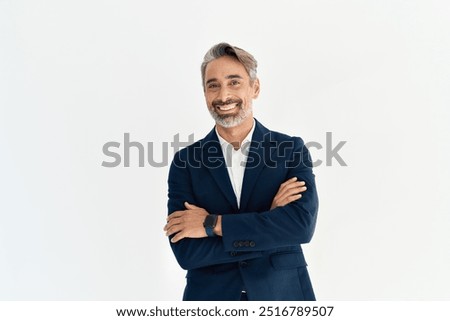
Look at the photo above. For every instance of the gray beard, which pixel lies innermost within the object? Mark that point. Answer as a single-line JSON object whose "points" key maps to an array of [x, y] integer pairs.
{"points": [[232, 120]]}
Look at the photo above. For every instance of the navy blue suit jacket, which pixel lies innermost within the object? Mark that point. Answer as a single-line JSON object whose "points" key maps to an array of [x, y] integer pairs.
{"points": [[260, 250]]}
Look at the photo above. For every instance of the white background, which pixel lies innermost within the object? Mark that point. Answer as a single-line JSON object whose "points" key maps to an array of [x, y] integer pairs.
{"points": [[77, 74]]}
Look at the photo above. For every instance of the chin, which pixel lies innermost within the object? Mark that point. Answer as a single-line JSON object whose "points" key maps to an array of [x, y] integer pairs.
{"points": [[232, 120]]}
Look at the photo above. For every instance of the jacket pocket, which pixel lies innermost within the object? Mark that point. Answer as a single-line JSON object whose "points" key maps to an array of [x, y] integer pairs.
{"points": [[285, 261]]}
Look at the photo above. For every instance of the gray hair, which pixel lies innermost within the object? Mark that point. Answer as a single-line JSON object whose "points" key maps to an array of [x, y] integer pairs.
{"points": [[225, 49]]}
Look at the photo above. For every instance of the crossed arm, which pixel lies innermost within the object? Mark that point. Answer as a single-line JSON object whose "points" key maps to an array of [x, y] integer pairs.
{"points": [[188, 223]]}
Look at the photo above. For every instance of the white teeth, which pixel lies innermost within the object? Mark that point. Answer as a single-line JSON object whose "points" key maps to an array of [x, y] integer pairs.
{"points": [[227, 107]]}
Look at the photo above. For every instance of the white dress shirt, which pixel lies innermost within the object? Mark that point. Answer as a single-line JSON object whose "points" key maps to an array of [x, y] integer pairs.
{"points": [[235, 160]]}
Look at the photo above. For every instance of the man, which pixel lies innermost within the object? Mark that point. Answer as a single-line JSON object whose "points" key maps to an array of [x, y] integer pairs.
{"points": [[243, 199]]}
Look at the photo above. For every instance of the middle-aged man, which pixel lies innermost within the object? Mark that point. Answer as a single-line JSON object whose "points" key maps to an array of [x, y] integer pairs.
{"points": [[243, 199]]}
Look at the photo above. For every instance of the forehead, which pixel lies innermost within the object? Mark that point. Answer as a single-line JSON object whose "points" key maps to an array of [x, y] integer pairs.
{"points": [[223, 67]]}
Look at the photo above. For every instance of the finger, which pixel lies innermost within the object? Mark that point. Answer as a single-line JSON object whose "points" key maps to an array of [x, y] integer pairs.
{"points": [[296, 190], [175, 214], [286, 190], [190, 206], [294, 184], [177, 237], [287, 196], [174, 229], [173, 222], [290, 199], [291, 183], [289, 192], [291, 180], [172, 216], [284, 184], [294, 197]]}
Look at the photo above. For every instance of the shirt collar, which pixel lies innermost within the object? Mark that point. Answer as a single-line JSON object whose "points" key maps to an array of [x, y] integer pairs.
{"points": [[247, 138]]}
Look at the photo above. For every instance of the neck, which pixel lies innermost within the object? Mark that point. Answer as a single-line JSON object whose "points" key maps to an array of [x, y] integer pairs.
{"points": [[235, 135]]}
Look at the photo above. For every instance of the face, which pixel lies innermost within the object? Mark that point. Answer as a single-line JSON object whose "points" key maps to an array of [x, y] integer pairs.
{"points": [[229, 91]]}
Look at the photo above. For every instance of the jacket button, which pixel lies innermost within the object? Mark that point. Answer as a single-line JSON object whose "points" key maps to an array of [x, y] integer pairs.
{"points": [[240, 243], [247, 243], [236, 244], [243, 264], [252, 243], [233, 253]]}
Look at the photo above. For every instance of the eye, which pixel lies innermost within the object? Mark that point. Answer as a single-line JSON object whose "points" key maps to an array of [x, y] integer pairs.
{"points": [[213, 86], [234, 82]]}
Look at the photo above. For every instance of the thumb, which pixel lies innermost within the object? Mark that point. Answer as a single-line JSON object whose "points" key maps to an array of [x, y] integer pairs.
{"points": [[190, 206]]}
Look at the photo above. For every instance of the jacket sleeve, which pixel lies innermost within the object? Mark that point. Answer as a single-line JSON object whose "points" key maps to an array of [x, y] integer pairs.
{"points": [[291, 224], [194, 253]]}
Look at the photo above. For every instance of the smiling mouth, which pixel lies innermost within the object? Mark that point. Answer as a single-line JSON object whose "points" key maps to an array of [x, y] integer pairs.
{"points": [[227, 107]]}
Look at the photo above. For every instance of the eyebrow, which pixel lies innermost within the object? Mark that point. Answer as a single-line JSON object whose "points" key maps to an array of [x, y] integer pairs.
{"points": [[226, 77]]}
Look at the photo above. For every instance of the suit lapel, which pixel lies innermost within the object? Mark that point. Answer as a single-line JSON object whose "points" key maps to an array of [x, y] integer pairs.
{"points": [[258, 158], [213, 160]]}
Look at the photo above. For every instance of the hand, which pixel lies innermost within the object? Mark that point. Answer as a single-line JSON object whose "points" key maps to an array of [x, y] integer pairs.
{"points": [[187, 223], [288, 192]]}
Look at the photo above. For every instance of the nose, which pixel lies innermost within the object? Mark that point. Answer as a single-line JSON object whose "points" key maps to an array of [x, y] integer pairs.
{"points": [[223, 94]]}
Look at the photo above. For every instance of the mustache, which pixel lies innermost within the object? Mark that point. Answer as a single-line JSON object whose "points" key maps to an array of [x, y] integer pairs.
{"points": [[219, 102]]}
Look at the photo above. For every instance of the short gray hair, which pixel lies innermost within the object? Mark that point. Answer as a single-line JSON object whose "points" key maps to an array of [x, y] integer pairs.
{"points": [[225, 49]]}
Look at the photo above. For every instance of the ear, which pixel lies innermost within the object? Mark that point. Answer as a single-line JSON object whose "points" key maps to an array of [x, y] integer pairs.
{"points": [[256, 87]]}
